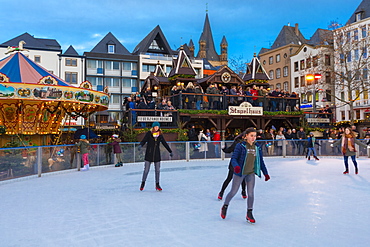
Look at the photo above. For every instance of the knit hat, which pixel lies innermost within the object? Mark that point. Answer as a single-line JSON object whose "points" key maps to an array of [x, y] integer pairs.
{"points": [[312, 134], [115, 136], [155, 124], [83, 137]]}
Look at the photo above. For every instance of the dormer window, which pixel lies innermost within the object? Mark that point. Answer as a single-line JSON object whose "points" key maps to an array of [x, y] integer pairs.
{"points": [[358, 16], [111, 48]]}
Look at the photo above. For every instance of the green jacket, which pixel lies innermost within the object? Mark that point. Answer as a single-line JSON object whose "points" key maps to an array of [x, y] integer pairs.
{"points": [[84, 147]]}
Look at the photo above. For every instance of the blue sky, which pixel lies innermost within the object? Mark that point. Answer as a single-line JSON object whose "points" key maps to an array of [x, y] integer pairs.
{"points": [[248, 25]]}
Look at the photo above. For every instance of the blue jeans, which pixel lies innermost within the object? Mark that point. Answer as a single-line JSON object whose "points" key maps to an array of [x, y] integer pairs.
{"points": [[217, 150], [311, 150], [353, 157], [198, 104]]}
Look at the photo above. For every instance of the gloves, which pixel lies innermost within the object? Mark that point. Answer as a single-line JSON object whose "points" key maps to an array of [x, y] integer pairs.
{"points": [[267, 177], [368, 146], [139, 148], [237, 169], [331, 145], [171, 154]]}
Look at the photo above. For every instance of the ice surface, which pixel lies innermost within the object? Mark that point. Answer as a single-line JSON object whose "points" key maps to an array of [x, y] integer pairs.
{"points": [[306, 203]]}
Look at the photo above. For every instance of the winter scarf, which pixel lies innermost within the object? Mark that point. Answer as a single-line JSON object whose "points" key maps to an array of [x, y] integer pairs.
{"points": [[348, 141]]}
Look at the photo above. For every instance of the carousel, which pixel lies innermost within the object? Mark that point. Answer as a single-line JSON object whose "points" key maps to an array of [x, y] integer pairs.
{"points": [[34, 103]]}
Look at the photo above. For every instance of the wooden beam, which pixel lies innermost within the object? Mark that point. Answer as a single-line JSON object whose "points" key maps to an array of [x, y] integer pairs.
{"points": [[268, 121], [228, 123], [255, 125]]}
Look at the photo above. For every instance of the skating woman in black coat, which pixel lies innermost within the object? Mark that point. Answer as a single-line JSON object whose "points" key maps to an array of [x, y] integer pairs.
{"points": [[152, 154]]}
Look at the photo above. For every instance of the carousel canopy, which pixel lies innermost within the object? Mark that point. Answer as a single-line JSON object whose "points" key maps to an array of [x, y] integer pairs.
{"points": [[19, 68]]}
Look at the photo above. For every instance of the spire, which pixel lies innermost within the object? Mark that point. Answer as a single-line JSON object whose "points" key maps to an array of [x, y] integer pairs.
{"points": [[207, 39]]}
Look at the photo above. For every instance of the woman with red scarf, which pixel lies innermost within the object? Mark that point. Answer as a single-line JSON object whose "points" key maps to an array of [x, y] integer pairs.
{"points": [[348, 141]]}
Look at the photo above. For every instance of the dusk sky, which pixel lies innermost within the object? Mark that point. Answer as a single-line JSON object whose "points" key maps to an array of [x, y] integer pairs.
{"points": [[248, 25]]}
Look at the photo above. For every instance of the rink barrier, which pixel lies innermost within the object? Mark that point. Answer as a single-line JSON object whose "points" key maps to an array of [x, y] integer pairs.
{"points": [[37, 161]]}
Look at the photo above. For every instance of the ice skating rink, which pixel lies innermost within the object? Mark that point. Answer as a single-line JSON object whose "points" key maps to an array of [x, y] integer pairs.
{"points": [[306, 203]]}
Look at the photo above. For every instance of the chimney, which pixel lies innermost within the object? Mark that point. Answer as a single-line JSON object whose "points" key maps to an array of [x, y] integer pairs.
{"points": [[296, 31]]}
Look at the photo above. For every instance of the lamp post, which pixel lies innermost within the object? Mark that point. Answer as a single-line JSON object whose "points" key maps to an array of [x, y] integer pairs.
{"points": [[313, 78]]}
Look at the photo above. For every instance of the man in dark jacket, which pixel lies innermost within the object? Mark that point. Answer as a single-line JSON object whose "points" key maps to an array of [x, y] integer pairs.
{"points": [[301, 136]]}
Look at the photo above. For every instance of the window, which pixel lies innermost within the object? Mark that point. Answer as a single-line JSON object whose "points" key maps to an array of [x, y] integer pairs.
{"points": [[148, 68], [315, 61], [126, 66], [363, 31], [301, 65], [285, 86], [341, 58], [271, 74], [111, 65], [308, 63], [295, 66], [327, 60], [296, 82], [271, 60], [37, 59], [342, 96], [111, 82], [168, 69], [278, 58], [303, 81], [115, 99], [358, 16], [327, 77], [364, 52], [357, 75], [71, 77], [285, 71], [328, 95], [343, 114], [278, 85], [364, 74], [127, 82], [111, 48], [95, 81], [71, 62], [357, 94], [94, 64], [278, 73], [355, 34], [358, 115], [349, 57], [356, 54], [348, 36], [366, 94]]}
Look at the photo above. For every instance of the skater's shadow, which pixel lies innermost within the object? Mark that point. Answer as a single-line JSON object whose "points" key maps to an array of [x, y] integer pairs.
{"points": [[312, 162]]}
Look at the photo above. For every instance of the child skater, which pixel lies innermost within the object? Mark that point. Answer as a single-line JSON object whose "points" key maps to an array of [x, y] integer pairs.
{"points": [[153, 137], [84, 146], [247, 161], [311, 146], [347, 142], [237, 139], [116, 149]]}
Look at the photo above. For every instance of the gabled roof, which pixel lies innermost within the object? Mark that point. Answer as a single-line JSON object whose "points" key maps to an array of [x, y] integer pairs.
{"points": [[364, 9], [71, 51], [206, 36], [322, 37], [288, 36], [182, 65], [159, 72], [33, 43], [186, 49], [110, 39], [255, 71], [154, 42]]}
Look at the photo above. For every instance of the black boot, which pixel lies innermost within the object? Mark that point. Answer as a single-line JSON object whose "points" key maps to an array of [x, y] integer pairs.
{"points": [[244, 194], [250, 217], [224, 211], [356, 170], [316, 158], [142, 186], [157, 187]]}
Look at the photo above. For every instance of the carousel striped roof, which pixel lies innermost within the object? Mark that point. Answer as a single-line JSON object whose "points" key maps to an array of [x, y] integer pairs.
{"points": [[19, 68]]}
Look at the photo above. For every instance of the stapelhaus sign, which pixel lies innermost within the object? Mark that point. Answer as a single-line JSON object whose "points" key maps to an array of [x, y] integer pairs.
{"points": [[245, 111]]}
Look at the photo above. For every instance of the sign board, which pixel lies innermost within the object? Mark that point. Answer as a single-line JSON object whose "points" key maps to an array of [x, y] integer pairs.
{"points": [[154, 119], [245, 111], [318, 120]]}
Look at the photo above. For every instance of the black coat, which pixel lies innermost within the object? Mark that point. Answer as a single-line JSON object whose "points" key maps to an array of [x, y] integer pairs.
{"points": [[153, 153]]}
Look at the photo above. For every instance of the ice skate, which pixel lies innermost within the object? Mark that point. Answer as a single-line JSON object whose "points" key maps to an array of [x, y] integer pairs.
{"points": [[316, 158], [250, 217], [244, 194], [142, 186], [345, 172], [157, 187], [309, 157], [85, 168], [224, 211], [356, 170], [220, 195]]}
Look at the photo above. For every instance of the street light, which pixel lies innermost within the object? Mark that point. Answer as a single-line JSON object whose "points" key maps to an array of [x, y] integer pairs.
{"points": [[313, 78]]}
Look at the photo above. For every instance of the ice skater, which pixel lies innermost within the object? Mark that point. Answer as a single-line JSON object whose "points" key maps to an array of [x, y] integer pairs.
{"points": [[311, 141], [348, 141], [237, 139], [247, 161], [116, 149], [84, 146], [152, 154]]}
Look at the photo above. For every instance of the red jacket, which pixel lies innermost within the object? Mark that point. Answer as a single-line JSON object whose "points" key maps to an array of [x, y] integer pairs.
{"points": [[216, 137]]}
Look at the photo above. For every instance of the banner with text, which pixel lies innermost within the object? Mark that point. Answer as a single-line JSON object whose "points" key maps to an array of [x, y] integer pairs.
{"points": [[154, 119], [245, 111]]}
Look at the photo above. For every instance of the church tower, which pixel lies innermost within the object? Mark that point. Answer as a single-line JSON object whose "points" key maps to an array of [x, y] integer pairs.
{"points": [[223, 56]]}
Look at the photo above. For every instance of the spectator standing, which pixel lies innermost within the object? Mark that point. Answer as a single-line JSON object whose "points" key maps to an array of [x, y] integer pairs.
{"points": [[216, 142], [199, 96]]}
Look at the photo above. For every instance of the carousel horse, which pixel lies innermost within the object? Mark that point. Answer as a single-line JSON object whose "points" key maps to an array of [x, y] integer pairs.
{"points": [[16, 48]]}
